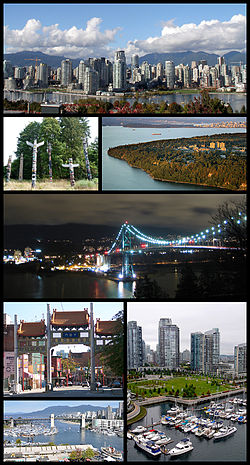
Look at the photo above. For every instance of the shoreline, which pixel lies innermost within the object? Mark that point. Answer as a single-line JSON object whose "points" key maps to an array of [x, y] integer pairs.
{"points": [[178, 182]]}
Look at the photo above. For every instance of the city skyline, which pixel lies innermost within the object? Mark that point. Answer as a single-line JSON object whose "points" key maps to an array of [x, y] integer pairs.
{"points": [[190, 318], [13, 128], [74, 32]]}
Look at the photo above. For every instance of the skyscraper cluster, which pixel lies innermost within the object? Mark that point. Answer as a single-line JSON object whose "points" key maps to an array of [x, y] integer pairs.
{"points": [[100, 74], [205, 351]]}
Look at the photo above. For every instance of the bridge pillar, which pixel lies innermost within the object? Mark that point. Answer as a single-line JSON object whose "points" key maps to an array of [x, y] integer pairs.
{"points": [[127, 266], [82, 424], [52, 420]]}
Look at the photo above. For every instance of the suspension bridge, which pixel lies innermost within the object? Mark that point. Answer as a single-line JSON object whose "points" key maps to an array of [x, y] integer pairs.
{"points": [[131, 240]]}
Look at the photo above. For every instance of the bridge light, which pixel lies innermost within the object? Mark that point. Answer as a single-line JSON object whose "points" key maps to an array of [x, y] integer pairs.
{"points": [[225, 222], [239, 213], [117, 250], [212, 228], [245, 217], [120, 275], [219, 230], [213, 232], [232, 217], [218, 225], [238, 221], [207, 230], [134, 275]]}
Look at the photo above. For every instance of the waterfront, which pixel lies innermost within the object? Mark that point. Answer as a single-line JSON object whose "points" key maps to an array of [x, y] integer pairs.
{"points": [[119, 175], [78, 285], [236, 100], [70, 433], [232, 448]]}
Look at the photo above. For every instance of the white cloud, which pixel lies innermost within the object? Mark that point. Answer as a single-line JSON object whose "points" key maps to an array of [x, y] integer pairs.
{"points": [[72, 42], [209, 36]]}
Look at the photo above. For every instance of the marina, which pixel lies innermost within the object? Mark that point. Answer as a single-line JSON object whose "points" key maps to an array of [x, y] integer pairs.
{"points": [[211, 432]]}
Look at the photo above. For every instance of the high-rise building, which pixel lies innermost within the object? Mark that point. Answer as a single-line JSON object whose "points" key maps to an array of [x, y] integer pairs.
{"points": [[81, 72], [169, 74], [91, 81], [42, 75], [119, 71], [240, 359], [134, 61], [134, 345], [205, 351], [169, 344], [66, 72], [7, 69]]}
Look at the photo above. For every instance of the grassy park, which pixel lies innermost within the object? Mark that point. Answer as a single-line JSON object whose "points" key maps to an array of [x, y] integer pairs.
{"points": [[180, 386], [46, 185]]}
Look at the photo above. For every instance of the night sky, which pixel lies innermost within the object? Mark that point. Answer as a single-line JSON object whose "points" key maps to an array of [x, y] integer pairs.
{"points": [[175, 213]]}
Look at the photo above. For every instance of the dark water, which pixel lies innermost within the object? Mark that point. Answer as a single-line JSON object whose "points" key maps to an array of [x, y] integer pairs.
{"points": [[68, 433], [79, 286], [70, 285], [230, 449], [119, 175]]}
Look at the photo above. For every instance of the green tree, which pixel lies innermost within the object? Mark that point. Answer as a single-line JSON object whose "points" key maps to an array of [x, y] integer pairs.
{"points": [[29, 133], [112, 354]]}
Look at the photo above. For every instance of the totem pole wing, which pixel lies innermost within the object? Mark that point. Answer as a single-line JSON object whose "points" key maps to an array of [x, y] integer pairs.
{"points": [[29, 143]]}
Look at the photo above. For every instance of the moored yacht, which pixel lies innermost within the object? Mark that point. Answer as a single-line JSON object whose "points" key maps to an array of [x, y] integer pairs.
{"points": [[148, 446], [224, 432], [185, 445]]}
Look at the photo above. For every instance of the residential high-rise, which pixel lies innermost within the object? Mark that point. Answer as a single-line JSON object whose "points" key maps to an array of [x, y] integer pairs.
{"points": [[42, 75], [169, 345], [91, 80], [240, 359], [169, 74], [66, 72], [134, 61], [205, 351], [119, 71], [134, 345]]}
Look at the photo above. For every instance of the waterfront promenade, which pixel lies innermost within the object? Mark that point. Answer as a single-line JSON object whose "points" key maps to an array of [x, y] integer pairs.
{"points": [[179, 400]]}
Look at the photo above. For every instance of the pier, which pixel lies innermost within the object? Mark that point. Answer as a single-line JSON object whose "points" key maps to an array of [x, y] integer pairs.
{"points": [[54, 453]]}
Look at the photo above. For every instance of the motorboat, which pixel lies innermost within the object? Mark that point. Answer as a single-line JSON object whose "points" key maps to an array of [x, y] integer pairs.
{"points": [[139, 429], [224, 432], [111, 452], [184, 446], [148, 446]]}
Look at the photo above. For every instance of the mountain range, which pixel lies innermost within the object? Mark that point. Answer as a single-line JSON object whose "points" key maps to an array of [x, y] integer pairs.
{"points": [[22, 58], [57, 410]]}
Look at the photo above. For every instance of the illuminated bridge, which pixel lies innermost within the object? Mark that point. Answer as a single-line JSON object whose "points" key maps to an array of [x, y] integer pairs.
{"points": [[130, 240]]}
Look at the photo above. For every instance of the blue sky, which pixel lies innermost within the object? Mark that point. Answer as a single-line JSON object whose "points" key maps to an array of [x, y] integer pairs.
{"points": [[133, 27], [28, 311], [26, 406]]}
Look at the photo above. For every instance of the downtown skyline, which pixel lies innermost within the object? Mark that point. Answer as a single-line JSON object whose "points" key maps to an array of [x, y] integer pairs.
{"points": [[99, 30], [190, 318]]}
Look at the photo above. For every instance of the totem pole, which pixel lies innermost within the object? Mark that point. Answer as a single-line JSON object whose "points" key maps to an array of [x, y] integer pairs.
{"points": [[8, 169], [85, 150], [34, 160], [21, 168], [50, 162], [71, 167]]}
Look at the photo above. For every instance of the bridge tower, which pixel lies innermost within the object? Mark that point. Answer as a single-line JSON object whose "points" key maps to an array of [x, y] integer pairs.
{"points": [[82, 424], [52, 420], [127, 267]]}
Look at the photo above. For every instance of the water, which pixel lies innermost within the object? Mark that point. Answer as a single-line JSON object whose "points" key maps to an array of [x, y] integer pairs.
{"points": [[69, 433], [118, 175], [232, 448], [236, 100], [70, 285]]}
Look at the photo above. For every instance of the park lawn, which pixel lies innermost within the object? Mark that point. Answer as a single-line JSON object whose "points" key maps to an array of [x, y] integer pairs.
{"points": [[46, 185], [201, 384]]}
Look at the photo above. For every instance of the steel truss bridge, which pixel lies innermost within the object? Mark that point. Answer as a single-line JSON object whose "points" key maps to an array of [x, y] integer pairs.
{"points": [[130, 240]]}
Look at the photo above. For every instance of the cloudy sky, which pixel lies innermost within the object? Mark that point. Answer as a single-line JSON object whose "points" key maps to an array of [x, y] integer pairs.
{"points": [[81, 31], [13, 126], [176, 213], [229, 317]]}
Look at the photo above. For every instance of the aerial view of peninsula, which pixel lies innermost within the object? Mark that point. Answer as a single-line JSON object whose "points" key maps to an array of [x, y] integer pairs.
{"points": [[174, 153]]}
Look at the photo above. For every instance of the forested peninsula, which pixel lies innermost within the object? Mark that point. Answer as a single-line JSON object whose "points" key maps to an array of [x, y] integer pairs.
{"points": [[217, 161]]}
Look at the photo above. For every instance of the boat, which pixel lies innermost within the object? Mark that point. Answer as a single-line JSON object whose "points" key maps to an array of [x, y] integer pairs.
{"points": [[111, 452], [129, 436], [139, 429], [224, 432], [148, 446], [156, 133], [185, 445]]}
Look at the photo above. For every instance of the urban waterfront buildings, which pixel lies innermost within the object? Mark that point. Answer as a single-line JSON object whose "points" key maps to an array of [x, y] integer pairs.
{"points": [[100, 74], [134, 345], [169, 344], [205, 351], [240, 359]]}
